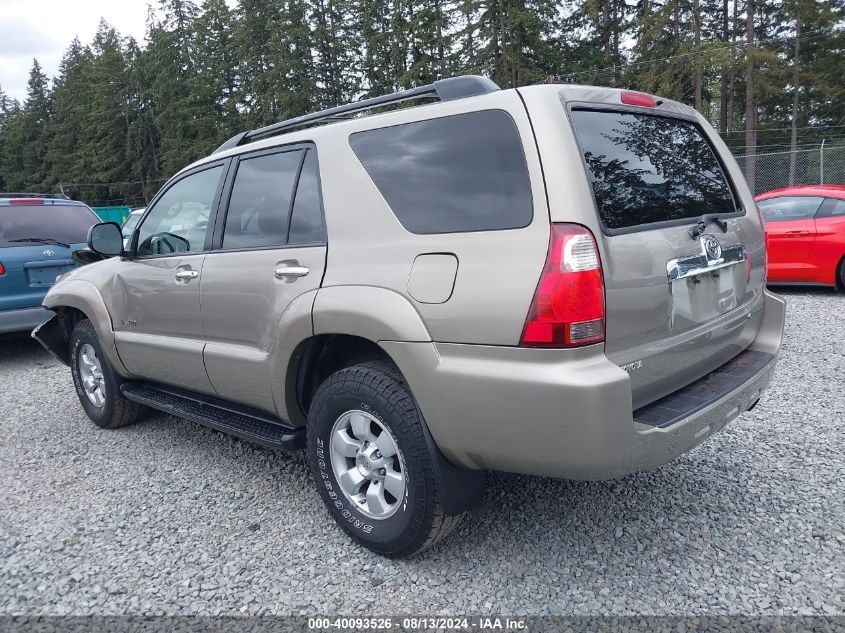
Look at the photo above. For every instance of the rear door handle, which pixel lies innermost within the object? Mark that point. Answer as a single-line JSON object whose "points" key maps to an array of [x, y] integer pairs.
{"points": [[797, 232], [184, 275], [282, 272]]}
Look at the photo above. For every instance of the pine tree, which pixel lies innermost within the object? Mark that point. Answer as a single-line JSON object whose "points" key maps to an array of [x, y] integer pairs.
{"points": [[26, 137]]}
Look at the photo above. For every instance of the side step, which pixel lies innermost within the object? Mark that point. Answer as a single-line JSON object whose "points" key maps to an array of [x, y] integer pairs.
{"points": [[243, 422]]}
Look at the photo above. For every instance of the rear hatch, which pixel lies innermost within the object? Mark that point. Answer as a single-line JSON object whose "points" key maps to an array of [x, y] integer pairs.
{"points": [[37, 239], [682, 249]]}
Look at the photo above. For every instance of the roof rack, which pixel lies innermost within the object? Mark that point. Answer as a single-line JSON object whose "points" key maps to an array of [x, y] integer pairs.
{"points": [[16, 194], [444, 89]]}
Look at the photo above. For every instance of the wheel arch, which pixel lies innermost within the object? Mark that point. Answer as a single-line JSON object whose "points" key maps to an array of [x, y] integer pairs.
{"points": [[73, 300], [321, 355]]}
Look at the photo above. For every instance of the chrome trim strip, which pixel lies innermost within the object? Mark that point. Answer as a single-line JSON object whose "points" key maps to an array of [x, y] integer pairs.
{"points": [[692, 265]]}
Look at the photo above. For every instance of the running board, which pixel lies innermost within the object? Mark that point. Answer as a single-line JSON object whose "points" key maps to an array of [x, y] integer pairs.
{"points": [[243, 422]]}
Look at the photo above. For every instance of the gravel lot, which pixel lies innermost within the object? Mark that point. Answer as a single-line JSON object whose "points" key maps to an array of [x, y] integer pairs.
{"points": [[168, 517]]}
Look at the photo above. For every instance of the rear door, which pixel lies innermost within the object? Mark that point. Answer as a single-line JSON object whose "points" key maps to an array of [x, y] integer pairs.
{"points": [[270, 248], [829, 245], [792, 231], [681, 301], [156, 293]]}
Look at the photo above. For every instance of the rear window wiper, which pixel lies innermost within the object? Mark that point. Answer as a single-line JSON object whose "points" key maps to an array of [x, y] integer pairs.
{"points": [[701, 225], [42, 240]]}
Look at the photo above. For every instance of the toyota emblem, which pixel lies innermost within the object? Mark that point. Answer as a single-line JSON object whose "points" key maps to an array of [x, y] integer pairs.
{"points": [[48, 253], [712, 248]]}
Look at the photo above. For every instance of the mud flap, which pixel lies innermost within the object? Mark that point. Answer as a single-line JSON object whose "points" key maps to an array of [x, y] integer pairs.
{"points": [[51, 335], [461, 489]]}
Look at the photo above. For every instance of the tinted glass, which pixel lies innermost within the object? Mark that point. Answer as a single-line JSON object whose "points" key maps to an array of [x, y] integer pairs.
{"points": [[646, 168], [458, 173], [833, 208], [789, 208], [63, 223], [259, 206], [179, 220], [306, 222]]}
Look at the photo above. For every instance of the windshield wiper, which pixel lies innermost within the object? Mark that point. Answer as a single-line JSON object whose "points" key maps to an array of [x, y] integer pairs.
{"points": [[42, 240], [701, 225]]}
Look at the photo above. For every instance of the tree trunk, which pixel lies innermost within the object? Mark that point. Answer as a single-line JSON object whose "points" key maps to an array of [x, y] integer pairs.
{"points": [[696, 27], [796, 90], [732, 73], [723, 92], [750, 107]]}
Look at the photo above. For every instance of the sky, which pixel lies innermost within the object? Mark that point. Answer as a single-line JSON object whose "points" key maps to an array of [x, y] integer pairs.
{"points": [[44, 28]]}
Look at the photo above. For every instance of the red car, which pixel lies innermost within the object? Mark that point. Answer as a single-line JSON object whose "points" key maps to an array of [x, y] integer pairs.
{"points": [[805, 229]]}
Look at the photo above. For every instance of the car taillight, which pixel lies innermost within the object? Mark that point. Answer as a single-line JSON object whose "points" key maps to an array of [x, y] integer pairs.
{"points": [[765, 241], [26, 202], [568, 305], [2, 269]]}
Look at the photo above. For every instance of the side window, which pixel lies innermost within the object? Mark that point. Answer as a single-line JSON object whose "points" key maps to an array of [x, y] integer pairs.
{"points": [[832, 208], [789, 208], [178, 222], [306, 222], [465, 172], [259, 206]]}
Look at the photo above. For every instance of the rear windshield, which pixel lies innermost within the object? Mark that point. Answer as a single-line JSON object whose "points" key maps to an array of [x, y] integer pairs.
{"points": [[63, 223], [646, 169]]}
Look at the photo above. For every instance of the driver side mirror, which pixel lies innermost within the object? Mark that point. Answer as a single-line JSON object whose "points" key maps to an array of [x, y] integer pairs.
{"points": [[106, 239]]}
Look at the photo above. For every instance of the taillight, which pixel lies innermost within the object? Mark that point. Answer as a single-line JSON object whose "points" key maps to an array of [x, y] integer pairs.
{"points": [[26, 202], [765, 241], [568, 305], [2, 269]]}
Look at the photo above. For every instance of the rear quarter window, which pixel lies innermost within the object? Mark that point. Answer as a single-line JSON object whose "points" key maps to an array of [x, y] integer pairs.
{"points": [[646, 169], [460, 173]]}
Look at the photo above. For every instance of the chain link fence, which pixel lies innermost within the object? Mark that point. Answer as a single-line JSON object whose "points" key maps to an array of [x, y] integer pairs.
{"points": [[814, 166]]}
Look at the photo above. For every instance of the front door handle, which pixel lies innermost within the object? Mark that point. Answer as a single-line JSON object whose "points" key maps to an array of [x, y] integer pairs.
{"points": [[185, 275], [282, 272], [797, 232]]}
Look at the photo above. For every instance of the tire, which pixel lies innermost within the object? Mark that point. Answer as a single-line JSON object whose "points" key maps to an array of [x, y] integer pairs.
{"points": [[841, 273], [376, 393], [106, 407]]}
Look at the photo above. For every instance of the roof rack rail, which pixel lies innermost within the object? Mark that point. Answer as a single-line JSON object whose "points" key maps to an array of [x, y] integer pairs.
{"points": [[17, 194], [445, 89]]}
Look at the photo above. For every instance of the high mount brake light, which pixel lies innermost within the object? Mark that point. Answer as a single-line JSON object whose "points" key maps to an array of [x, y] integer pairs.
{"points": [[568, 305], [638, 99], [24, 202]]}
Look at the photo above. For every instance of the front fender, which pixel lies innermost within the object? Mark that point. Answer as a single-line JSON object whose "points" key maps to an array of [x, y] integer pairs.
{"points": [[85, 297]]}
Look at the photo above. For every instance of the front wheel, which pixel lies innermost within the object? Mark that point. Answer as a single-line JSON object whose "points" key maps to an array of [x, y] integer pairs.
{"points": [[373, 466], [97, 384]]}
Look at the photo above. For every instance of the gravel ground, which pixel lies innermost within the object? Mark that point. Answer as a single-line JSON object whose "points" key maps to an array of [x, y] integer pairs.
{"points": [[168, 517]]}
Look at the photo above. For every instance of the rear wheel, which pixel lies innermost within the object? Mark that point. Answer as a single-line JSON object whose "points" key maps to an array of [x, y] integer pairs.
{"points": [[841, 275], [372, 464], [97, 384]]}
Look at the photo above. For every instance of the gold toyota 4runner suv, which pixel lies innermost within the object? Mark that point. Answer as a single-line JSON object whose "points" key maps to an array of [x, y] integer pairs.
{"points": [[564, 281]]}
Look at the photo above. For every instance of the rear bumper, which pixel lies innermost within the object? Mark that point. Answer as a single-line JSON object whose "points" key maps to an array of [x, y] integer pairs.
{"points": [[23, 319], [560, 414]]}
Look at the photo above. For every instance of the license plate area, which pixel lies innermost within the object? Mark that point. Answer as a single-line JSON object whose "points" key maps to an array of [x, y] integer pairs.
{"points": [[702, 288], [42, 275]]}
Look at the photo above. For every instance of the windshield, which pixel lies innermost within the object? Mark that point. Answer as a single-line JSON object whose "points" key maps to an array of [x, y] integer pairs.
{"points": [[130, 224], [646, 168], [62, 223]]}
